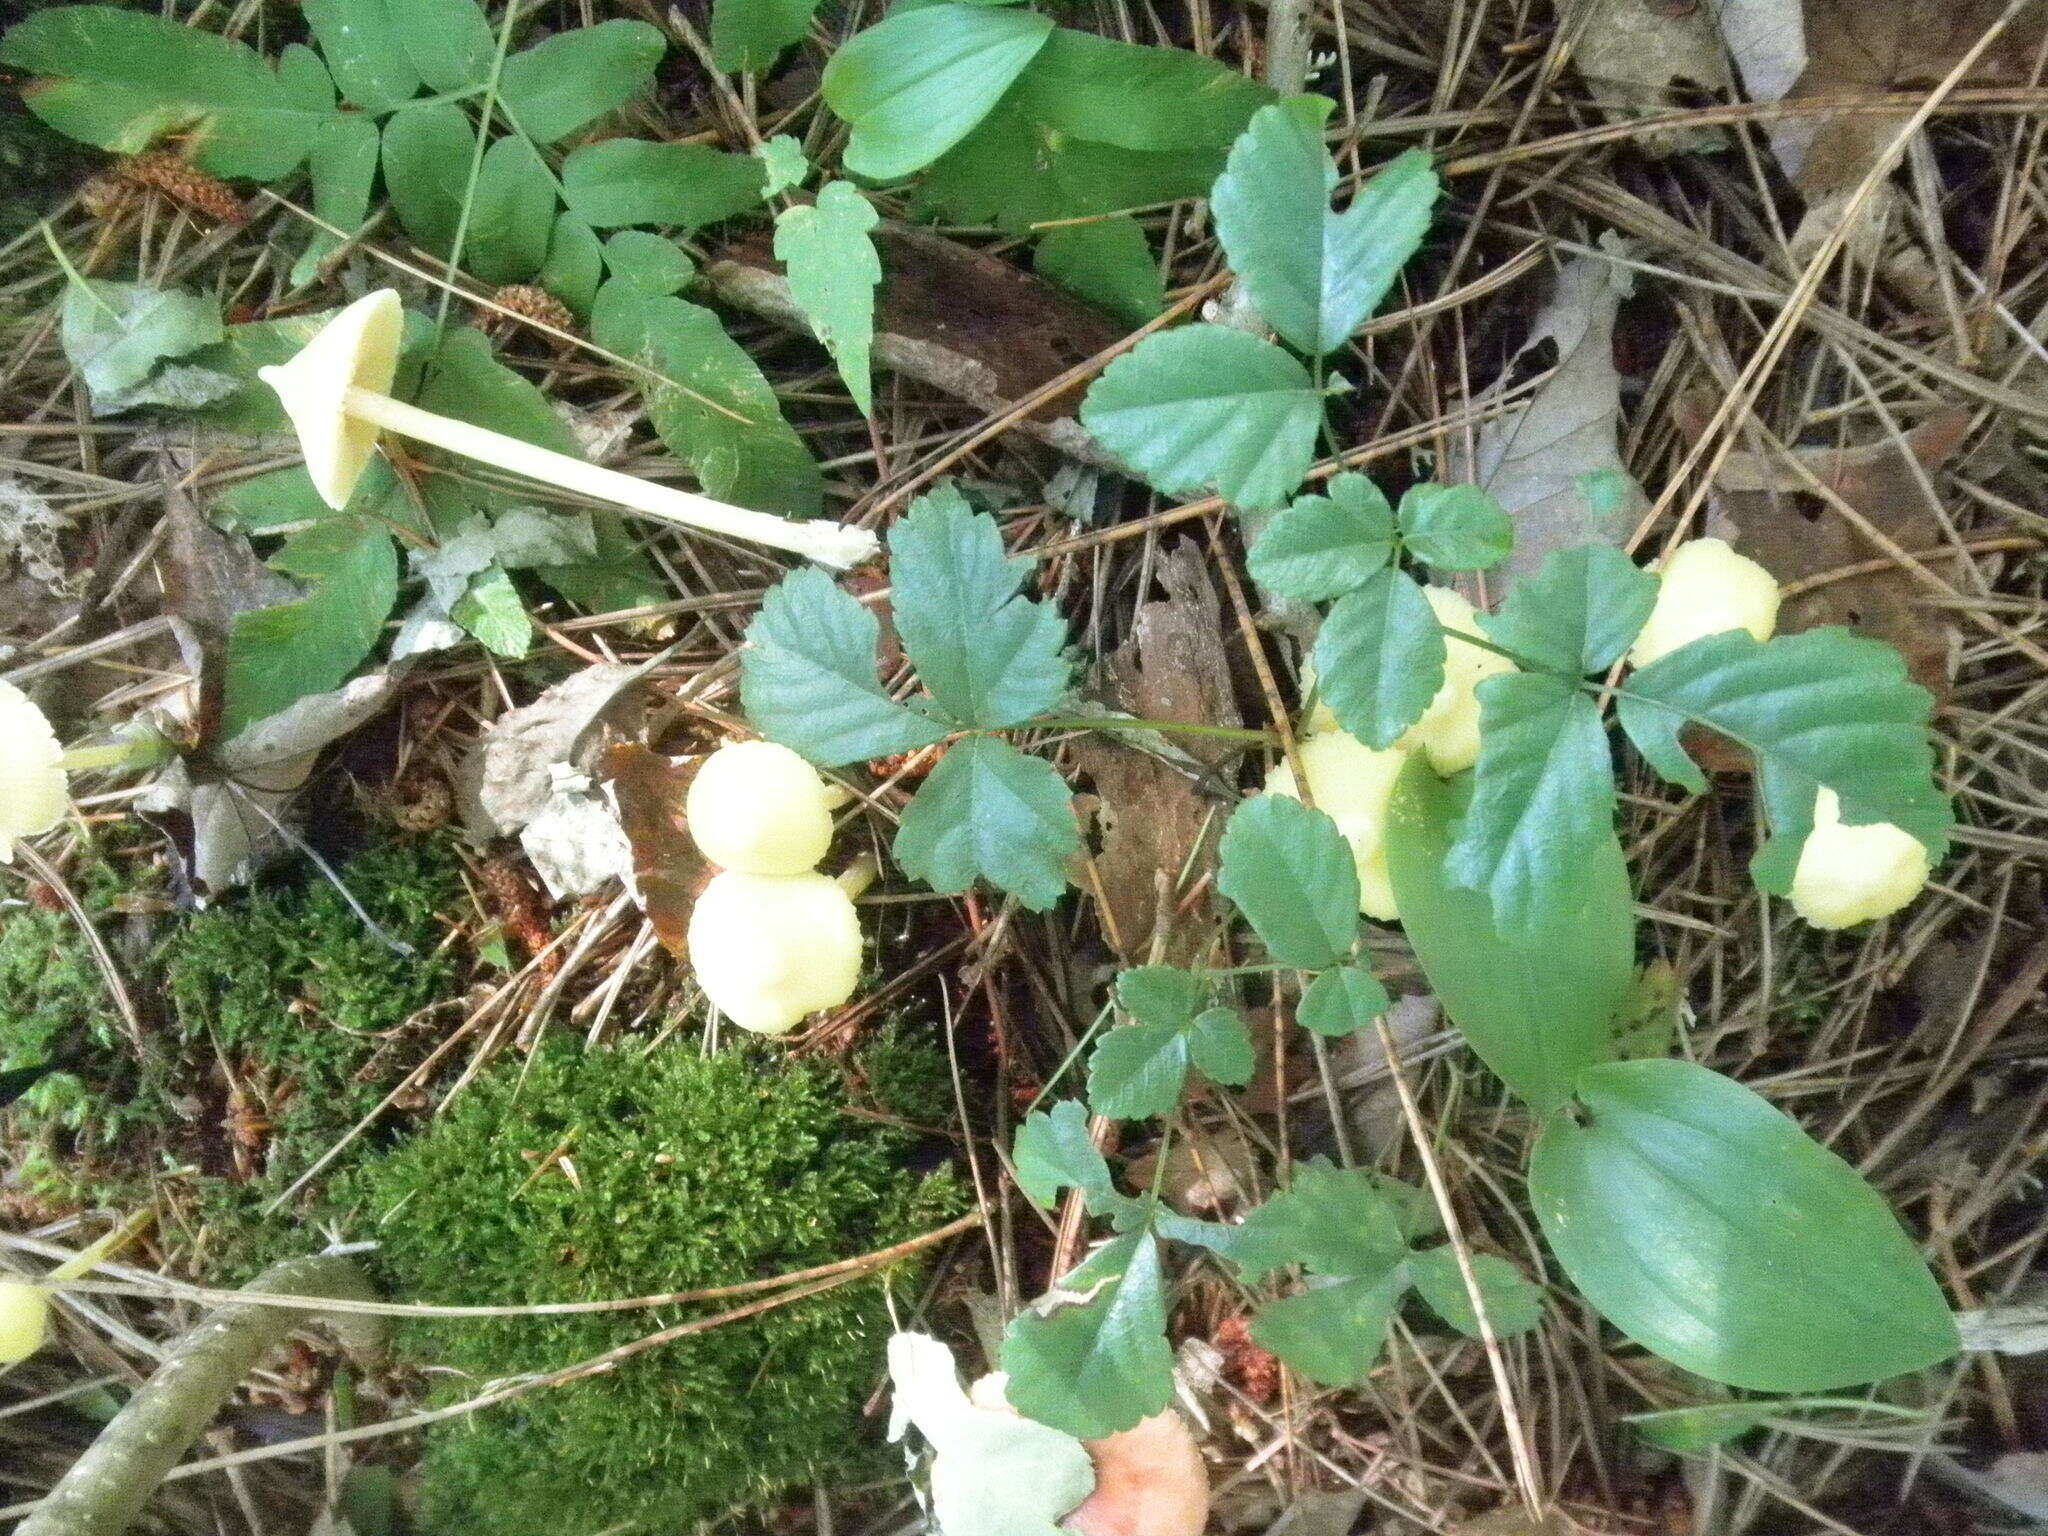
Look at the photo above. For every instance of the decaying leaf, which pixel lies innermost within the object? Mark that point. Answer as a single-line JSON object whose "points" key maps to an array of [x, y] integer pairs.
{"points": [[1158, 826], [1636, 54], [512, 770], [1149, 1481], [649, 789], [955, 318]]}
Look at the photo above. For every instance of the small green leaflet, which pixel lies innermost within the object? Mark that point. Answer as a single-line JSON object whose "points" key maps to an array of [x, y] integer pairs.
{"points": [[360, 42], [1332, 1221], [914, 85], [989, 812], [1342, 1002], [1290, 872], [1513, 1305], [1316, 275], [1333, 1331], [511, 215], [636, 181], [1379, 657], [451, 43], [807, 677], [652, 263], [1324, 546], [833, 269], [116, 334], [1578, 612], [491, 610], [1052, 1152], [749, 35], [1206, 405], [1455, 527], [1092, 1358], [343, 168], [568, 81], [785, 162], [426, 170], [1106, 261], [1139, 1069], [990, 656]]}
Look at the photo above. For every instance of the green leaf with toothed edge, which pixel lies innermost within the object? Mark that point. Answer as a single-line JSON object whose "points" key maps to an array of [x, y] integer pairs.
{"points": [[1455, 527], [1342, 1001], [1513, 1304], [988, 812], [1379, 657], [1052, 1151], [1578, 613], [1289, 871], [833, 269], [1325, 546], [1092, 1358]]}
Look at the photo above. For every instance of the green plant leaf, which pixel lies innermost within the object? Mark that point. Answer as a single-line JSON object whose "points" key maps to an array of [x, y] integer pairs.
{"points": [[574, 265], [990, 656], [1537, 1017], [1455, 527], [124, 79], [1097, 1366], [807, 677], [1379, 657], [652, 263], [360, 43], [756, 460], [115, 334], [343, 168], [1206, 405], [1701, 1426], [1578, 612], [1289, 871], [636, 181], [1052, 1151], [279, 655], [1161, 994], [512, 214], [1331, 1221], [427, 150], [575, 77], [833, 269], [1321, 547], [493, 612], [1312, 274], [747, 36], [1825, 706], [1222, 1047], [1107, 262], [1332, 1333], [988, 812], [464, 379], [450, 41], [1542, 803], [913, 86], [1709, 1228], [1513, 1304], [1342, 1001], [784, 162], [1140, 1069]]}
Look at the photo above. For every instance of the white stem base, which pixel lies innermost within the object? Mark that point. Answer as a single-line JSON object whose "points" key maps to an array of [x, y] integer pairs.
{"points": [[819, 539]]}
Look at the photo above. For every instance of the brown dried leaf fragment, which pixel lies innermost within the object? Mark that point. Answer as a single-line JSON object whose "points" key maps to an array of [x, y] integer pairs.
{"points": [[667, 868]]}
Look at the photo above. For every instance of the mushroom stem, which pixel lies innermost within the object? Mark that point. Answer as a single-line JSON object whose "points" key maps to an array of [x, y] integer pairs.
{"points": [[819, 539]]}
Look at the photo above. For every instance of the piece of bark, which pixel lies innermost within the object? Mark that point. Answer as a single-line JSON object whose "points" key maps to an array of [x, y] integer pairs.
{"points": [[953, 317]]}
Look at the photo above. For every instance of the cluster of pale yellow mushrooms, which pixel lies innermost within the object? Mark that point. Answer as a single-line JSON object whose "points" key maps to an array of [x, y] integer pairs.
{"points": [[1846, 874]]}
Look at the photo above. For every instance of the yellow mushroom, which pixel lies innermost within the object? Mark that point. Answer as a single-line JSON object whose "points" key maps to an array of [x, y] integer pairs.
{"points": [[1448, 732], [760, 809], [34, 792], [769, 950], [1706, 588], [24, 1320], [1849, 875], [1351, 784]]}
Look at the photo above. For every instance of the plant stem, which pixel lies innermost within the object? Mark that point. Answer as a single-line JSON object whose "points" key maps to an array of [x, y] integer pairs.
{"points": [[1163, 727]]}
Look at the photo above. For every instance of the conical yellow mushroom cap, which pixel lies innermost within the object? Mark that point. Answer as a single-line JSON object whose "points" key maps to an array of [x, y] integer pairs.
{"points": [[33, 789], [770, 949], [358, 348], [760, 809], [1850, 875]]}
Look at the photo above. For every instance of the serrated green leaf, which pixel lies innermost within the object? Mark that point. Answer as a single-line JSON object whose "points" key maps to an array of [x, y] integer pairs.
{"points": [[1052, 1151], [1205, 405], [1312, 274], [1455, 527], [990, 656], [745, 452], [1222, 1047], [1094, 1368], [1537, 1017], [493, 612], [1542, 803], [1289, 871], [575, 77], [1825, 706], [1107, 262], [636, 181], [427, 150], [1138, 1070], [988, 812], [807, 677], [1161, 994], [1513, 1304], [1578, 612], [652, 263], [279, 655], [360, 43], [1709, 1228], [785, 162], [124, 79], [115, 334], [343, 168], [574, 265], [913, 86], [450, 41], [833, 269], [1332, 1333], [511, 215], [1321, 547], [1342, 1002], [1332, 1221], [1379, 657], [747, 36]]}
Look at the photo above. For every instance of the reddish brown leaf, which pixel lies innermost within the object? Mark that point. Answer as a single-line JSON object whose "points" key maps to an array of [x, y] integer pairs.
{"points": [[667, 867]]}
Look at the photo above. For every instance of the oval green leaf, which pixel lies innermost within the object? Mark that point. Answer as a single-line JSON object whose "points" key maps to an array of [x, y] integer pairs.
{"points": [[1290, 872]]}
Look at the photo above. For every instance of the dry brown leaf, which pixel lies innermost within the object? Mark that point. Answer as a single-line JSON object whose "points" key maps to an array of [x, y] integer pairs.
{"points": [[668, 871], [1636, 55]]}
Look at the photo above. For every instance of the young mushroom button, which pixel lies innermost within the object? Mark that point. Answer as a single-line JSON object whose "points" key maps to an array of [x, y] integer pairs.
{"points": [[336, 392]]}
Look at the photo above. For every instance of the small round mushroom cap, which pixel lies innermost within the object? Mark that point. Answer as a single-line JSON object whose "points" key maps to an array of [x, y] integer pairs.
{"points": [[771, 949], [357, 349], [33, 790], [24, 1320], [1706, 588], [758, 808], [1849, 875]]}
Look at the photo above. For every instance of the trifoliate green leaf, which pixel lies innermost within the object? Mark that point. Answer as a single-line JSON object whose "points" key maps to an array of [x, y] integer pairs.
{"points": [[1315, 275], [807, 677], [1578, 612], [1140, 1069], [785, 162], [1542, 803], [1106, 261], [989, 655], [833, 269], [360, 43], [988, 812], [1290, 872], [913, 86], [115, 334], [427, 150], [652, 263], [1513, 1304], [1380, 657], [1332, 1221], [636, 181], [1052, 1152], [1161, 994], [511, 215], [1342, 1002], [575, 77], [1324, 546], [1204, 406], [1455, 527], [1095, 1360]]}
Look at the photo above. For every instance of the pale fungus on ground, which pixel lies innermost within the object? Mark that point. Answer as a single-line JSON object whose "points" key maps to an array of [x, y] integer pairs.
{"points": [[34, 791], [769, 950], [1351, 784], [1849, 875], [336, 391], [1448, 732], [1706, 588], [24, 1320], [759, 808]]}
